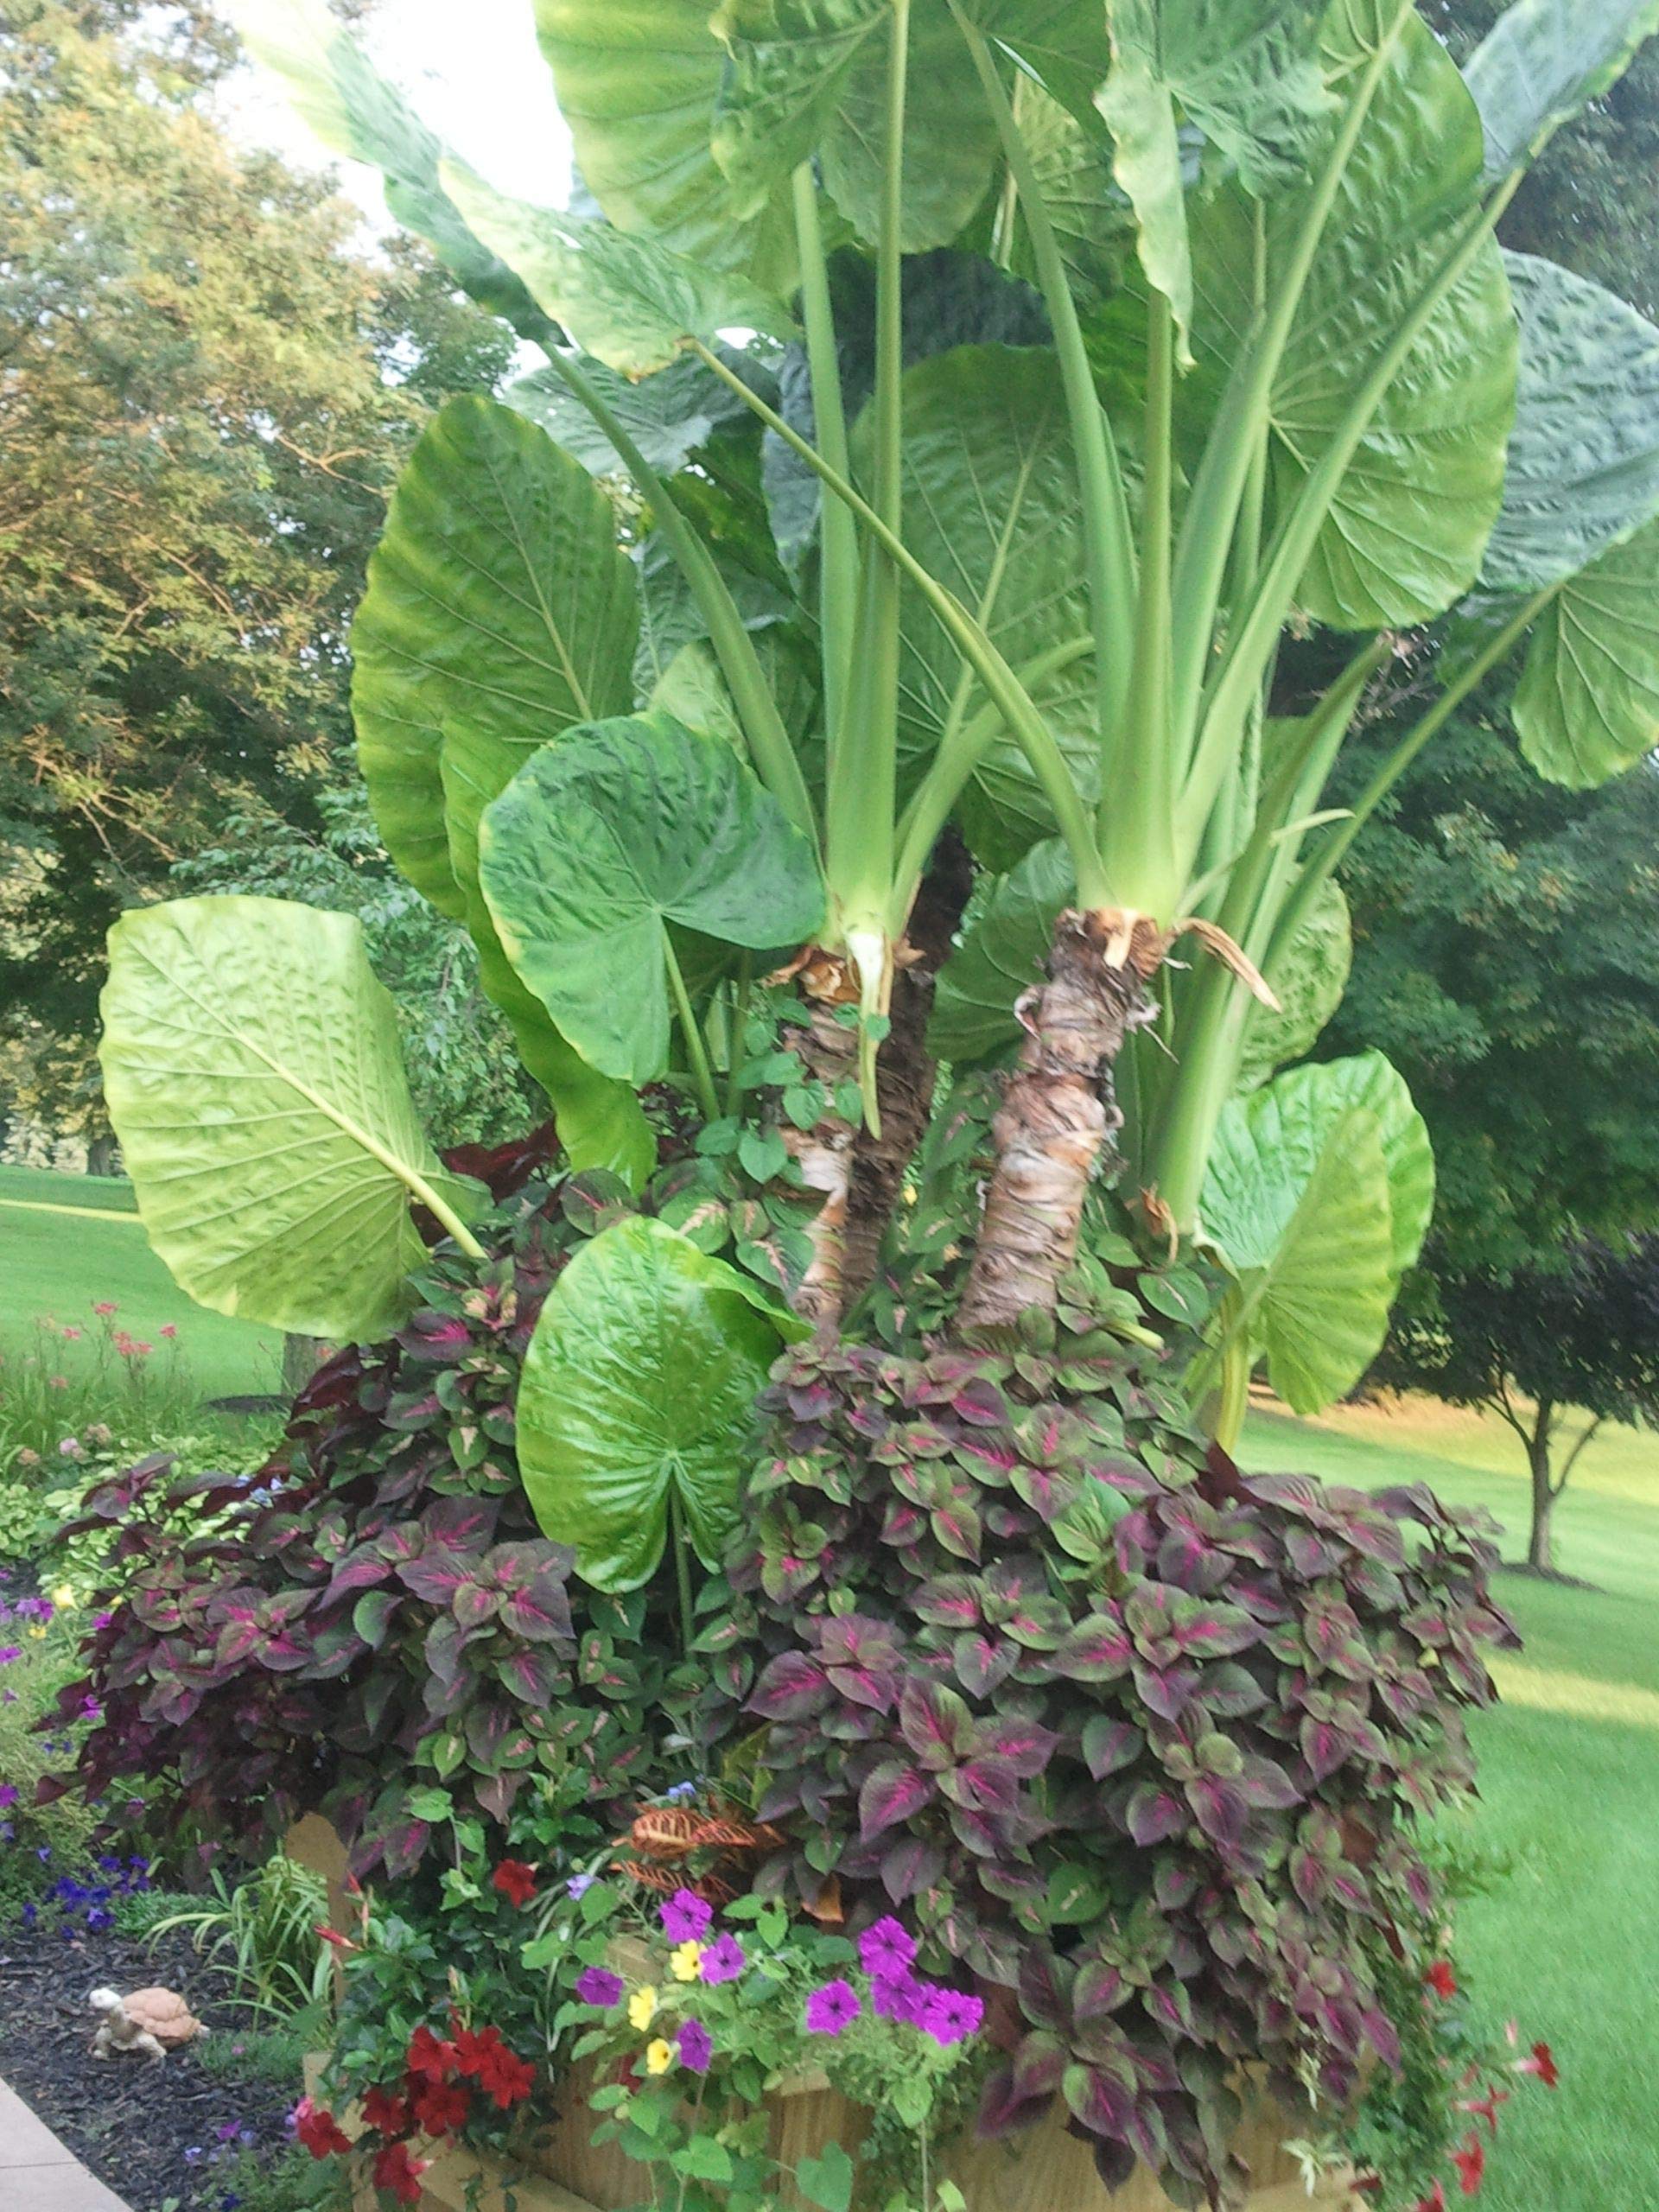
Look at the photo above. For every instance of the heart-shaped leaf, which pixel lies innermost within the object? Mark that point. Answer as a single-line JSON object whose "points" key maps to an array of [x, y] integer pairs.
{"points": [[498, 599], [602, 841], [1587, 705], [253, 1074], [639, 1389], [1543, 61], [1002, 955], [1308, 982], [628, 301]]}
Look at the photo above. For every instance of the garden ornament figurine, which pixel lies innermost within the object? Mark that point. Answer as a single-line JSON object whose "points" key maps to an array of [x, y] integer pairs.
{"points": [[149, 2022]]}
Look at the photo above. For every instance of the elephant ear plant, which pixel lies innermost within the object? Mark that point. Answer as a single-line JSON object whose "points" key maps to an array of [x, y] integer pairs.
{"points": [[986, 454]]}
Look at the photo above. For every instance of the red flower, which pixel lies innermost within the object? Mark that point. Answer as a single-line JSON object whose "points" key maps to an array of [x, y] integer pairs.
{"points": [[441, 2108], [1470, 2163], [429, 2058], [333, 1936], [472, 2051], [1485, 2107], [1441, 1979], [507, 2079], [396, 2170], [1542, 2064], [386, 2113], [1433, 2202], [515, 1880], [319, 2131]]}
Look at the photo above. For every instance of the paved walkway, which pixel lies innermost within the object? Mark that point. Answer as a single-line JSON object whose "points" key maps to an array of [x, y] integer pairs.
{"points": [[36, 2173]]}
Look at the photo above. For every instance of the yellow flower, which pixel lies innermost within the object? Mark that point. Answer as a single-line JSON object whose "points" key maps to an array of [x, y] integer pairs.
{"points": [[642, 2007], [63, 1595], [38, 1634], [659, 2056], [684, 1960]]}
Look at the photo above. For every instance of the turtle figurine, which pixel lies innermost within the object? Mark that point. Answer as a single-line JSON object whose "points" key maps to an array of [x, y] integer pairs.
{"points": [[148, 2022]]}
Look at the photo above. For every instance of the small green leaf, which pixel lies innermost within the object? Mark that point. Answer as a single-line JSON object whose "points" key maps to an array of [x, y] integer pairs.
{"points": [[600, 842], [639, 1386], [762, 1154], [827, 2180], [704, 2158], [252, 1070], [430, 1804]]}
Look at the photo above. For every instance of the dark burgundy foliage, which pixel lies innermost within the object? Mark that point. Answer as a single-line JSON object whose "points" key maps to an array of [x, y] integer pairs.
{"points": [[375, 1611], [1132, 1735]]}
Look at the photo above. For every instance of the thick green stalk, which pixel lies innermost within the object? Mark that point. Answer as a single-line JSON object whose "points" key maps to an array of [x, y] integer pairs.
{"points": [[1255, 637], [1019, 714], [757, 710], [1236, 436], [1324, 862], [837, 533], [1211, 1031], [1109, 534], [1137, 839], [703, 1075]]}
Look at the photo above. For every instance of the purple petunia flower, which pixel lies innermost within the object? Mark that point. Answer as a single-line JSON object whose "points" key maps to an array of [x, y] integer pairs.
{"points": [[9, 1793], [723, 1961], [898, 1997], [578, 1885], [885, 1951], [9, 1652], [831, 2009], [677, 1792], [951, 2015], [598, 1987], [697, 2047], [686, 1916]]}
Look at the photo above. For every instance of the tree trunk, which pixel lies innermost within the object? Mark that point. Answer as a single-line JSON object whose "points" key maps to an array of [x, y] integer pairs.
{"points": [[100, 1153], [823, 1153], [301, 1356], [1056, 1114], [904, 1069], [1540, 1541]]}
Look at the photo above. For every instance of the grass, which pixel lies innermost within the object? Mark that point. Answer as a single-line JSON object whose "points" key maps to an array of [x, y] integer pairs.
{"points": [[68, 1240], [1569, 1944]]}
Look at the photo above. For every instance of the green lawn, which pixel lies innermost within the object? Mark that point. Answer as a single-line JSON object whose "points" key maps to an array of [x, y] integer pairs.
{"points": [[60, 1253], [1569, 1945]]}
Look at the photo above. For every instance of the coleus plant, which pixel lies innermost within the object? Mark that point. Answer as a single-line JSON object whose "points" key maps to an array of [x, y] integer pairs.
{"points": [[1010, 387]]}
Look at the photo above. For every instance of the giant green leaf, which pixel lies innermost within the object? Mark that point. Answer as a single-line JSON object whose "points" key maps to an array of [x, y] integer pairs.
{"points": [[628, 301], [1245, 72], [1544, 60], [1409, 522], [497, 598], [638, 1397], [1309, 983], [602, 841], [600, 1121], [810, 77], [668, 415], [637, 81], [351, 107], [1091, 218], [1582, 469], [1298, 1206], [1001, 957], [992, 508], [252, 1072], [1587, 705], [1319, 1193]]}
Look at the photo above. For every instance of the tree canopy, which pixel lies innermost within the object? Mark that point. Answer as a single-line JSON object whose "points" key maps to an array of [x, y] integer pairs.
{"points": [[205, 391]]}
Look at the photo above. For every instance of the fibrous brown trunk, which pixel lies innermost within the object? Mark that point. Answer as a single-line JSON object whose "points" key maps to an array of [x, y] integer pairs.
{"points": [[1057, 1112], [905, 1068], [828, 1050]]}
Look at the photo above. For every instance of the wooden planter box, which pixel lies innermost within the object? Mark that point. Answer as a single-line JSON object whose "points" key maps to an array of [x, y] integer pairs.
{"points": [[1042, 2169]]}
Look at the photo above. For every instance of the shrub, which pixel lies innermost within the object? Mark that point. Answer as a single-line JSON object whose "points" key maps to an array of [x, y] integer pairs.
{"points": [[374, 1616], [1135, 1736]]}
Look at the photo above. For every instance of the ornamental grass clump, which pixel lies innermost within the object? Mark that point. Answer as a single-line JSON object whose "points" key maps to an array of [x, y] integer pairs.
{"points": [[1135, 1739]]}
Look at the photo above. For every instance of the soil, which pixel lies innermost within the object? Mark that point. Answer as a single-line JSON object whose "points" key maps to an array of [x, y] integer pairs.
{"points": [[158, 2135]]}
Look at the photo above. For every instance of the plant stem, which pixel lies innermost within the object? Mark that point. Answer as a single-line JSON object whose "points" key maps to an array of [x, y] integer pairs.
{"points": [[1109, 535], [739, 1025], [703, 1075], [837, 535], [757, 710], [1024, 725], [680, 1544]]}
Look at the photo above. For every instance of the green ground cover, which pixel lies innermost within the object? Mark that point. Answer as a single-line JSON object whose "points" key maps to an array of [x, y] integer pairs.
{"points": [[54, 1264], [1569, 1943]]}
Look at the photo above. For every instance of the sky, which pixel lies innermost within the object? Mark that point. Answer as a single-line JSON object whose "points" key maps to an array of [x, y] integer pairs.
{"points": [[474, 72]]}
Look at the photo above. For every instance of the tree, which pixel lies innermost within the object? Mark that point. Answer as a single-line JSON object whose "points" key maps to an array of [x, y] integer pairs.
{"points": [[1583, 1334], [204, 395]]}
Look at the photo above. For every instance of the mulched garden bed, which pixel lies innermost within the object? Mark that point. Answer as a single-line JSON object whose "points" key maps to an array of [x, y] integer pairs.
{"points": [[156, 2133]]}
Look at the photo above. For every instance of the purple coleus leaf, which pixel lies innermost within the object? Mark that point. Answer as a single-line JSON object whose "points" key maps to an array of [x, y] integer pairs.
{"points": [[1154, 1815], [791, 1688], [948, 1601], [895, 1791], [437, 1575], [1097, 1650], [1109, 1745], [935, 1723]]}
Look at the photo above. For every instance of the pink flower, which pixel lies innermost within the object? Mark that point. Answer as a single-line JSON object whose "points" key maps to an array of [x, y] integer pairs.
{"points": [[1540, 2063], [73, 1335], [170, 1330], [831, 2009], [685, 1918], [59, 1382], [106, 1307]]}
